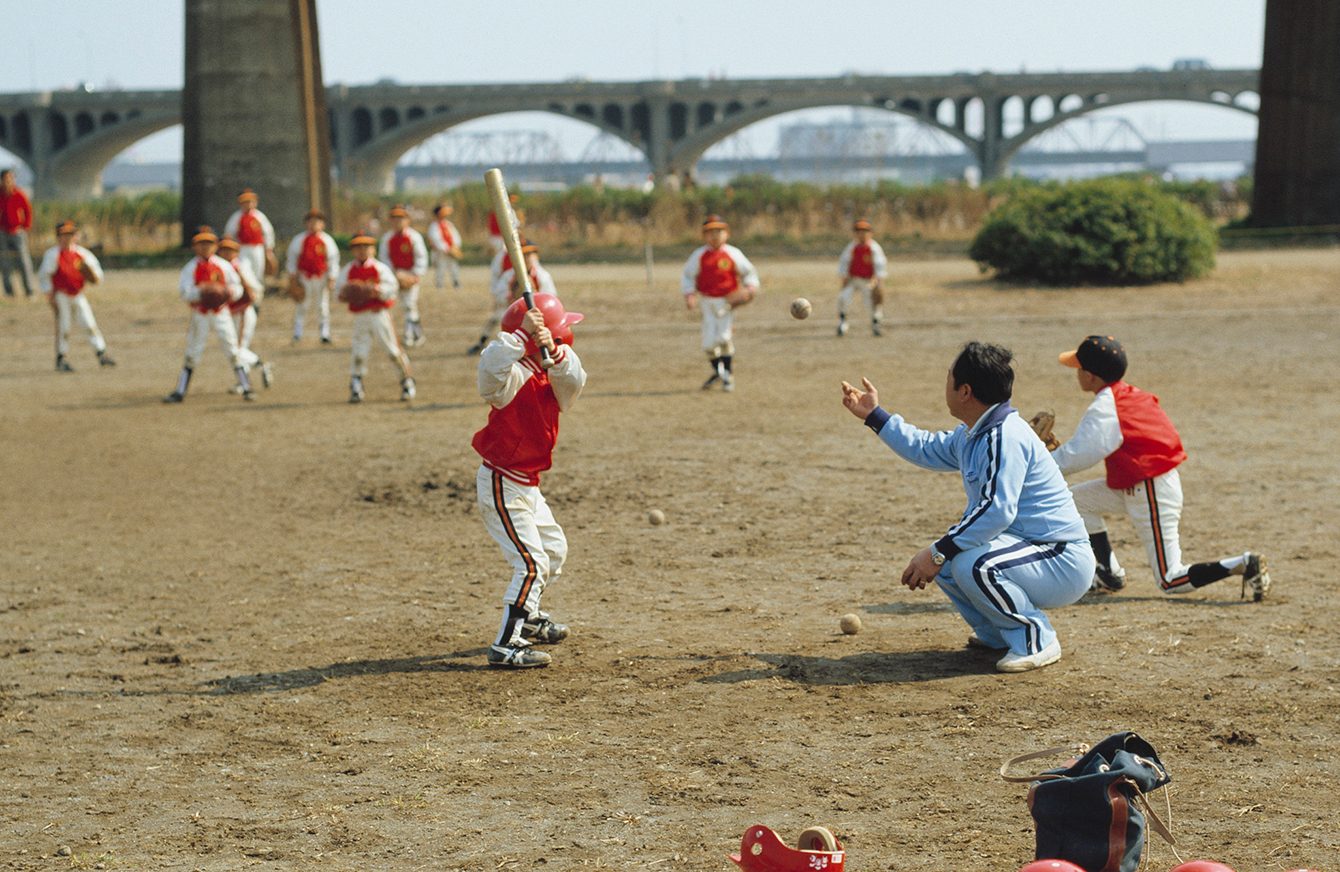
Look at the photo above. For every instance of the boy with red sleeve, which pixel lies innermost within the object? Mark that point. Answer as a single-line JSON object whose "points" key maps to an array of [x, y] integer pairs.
{"points": [[1129, 432], [516, 445], [724, 279], [16, 219]]}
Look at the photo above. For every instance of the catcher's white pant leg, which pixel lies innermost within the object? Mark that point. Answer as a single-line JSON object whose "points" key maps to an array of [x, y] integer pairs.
{"points": [[718, 321], [1001, 588], [1155, 508], [520, 521]]}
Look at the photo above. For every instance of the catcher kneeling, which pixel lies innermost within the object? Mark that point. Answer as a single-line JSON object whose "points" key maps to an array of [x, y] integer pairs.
{"points": [[369, 288]]}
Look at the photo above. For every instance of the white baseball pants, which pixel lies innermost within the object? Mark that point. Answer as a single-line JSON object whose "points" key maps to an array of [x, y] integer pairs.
{"points": [[71, 309], [718, 322], [220, 323], [317, 300], [867, 288], [519, 520], [372, 326]]}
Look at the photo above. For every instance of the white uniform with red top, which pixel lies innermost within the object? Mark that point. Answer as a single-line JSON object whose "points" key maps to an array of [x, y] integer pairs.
{"points": [[315, 260], [541, 282], [405, 250], [516, 446], [712, 273], [1125, 428], [243, 309], [859, 266], [372, 320], [59, 277], [217, 321], [444, 239], [255, 235]]}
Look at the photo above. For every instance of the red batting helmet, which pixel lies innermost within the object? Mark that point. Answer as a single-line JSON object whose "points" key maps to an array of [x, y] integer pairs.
{"points": [[556, 319], [1201, 866], [762, 851], [1051, 866]]}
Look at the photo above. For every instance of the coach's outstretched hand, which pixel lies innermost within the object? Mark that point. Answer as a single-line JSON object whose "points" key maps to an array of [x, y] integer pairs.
{"points": [[860, 403]]}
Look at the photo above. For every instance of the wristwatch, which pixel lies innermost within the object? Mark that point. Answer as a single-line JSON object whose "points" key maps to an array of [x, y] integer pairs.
{"points": [[936, 557]]}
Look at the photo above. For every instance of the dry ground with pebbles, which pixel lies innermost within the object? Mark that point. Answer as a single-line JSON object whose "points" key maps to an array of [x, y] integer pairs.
{"points": [[252, 636]]}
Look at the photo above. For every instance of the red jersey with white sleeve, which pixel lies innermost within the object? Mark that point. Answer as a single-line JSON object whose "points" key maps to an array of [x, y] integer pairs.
{"points": [[313, 255], [540, 282], [404, 250], [250, 227], [249, 283], [16, 211], [859, 261], [444, 237], [199, 272], [518, 440], [370, 270], [716, 272], [1128, 430], [60, 269]]}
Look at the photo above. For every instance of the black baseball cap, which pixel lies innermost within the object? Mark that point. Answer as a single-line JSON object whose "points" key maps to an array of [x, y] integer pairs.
{"points": [[1101, 355]]}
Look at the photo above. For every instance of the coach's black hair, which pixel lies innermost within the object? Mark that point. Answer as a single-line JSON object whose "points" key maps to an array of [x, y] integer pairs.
{"points": [[986, 368]]}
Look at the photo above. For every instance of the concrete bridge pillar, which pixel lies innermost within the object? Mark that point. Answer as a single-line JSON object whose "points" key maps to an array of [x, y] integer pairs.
{"points": [[253, 112]]}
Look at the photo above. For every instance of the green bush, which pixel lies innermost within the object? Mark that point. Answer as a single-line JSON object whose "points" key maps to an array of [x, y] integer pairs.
{"points": [[1104, 231]]}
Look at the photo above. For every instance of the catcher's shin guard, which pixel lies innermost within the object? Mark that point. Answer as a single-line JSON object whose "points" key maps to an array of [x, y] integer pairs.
{"points": [[762, 851]]}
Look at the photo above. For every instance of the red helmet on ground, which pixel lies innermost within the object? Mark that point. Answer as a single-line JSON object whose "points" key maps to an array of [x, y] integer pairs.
{"points": [[1201, 866], [1051, 866], [762, 851], [556, 319]]}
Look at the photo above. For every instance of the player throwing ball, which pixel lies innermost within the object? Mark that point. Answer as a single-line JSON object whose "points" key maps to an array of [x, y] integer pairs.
{"points": [[724, 279], [1129, 432], [517, 444], [1020, 546]]}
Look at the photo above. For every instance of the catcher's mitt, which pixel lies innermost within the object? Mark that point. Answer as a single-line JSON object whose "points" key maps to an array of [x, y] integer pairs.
{"points": [[271, 264], [296, 292], [213, 295], [1042, 424], [877, 295], [87, 272], [357, 293], [739, 297], [406, 279]]}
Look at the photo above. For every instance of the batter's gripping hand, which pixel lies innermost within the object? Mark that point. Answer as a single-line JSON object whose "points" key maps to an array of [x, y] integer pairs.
{"points": [[1042, 424]]}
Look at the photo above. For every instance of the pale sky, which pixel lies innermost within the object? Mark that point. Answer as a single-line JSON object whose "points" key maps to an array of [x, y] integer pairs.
{"points": [[138, 44]]}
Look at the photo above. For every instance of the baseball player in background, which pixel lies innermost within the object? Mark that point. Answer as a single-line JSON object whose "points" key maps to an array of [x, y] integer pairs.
{"points": [[16, 219], [517, 445], [1127, 429], [243, 309], [1020, 546], [724, 279], [496, 243], [313, 261], [369, 288], [207, 284], [862, 267], [67, 267], [403, 249], [504, 291], [254, 233], [445, 241], [541, 282]]}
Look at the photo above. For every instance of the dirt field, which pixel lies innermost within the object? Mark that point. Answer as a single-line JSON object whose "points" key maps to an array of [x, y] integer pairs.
{"points": [[252, 636]]}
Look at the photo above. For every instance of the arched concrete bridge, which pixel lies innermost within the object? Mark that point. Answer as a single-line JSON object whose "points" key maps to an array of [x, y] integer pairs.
{"points": [[67, 137]]}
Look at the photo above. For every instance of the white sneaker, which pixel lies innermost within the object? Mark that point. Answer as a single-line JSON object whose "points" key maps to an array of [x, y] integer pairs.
{"points": [[407, 391], [1255, 577], [1025, 662]]}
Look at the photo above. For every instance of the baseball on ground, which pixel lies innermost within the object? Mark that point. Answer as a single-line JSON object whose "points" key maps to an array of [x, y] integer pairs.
{"points": [[850, 624], [656, 517], [800, 308]]}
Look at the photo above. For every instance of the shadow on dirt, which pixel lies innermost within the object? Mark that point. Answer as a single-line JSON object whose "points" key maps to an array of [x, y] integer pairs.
{"points": [[267, 682], [867, 668]]}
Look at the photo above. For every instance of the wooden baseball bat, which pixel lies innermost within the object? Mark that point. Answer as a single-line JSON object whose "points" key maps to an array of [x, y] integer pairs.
{"points": [[502, 207]]}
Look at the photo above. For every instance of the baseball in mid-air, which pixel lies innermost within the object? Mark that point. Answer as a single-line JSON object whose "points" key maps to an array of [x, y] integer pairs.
{"points": [[850, 624], [800, 308], [656, 517]]}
